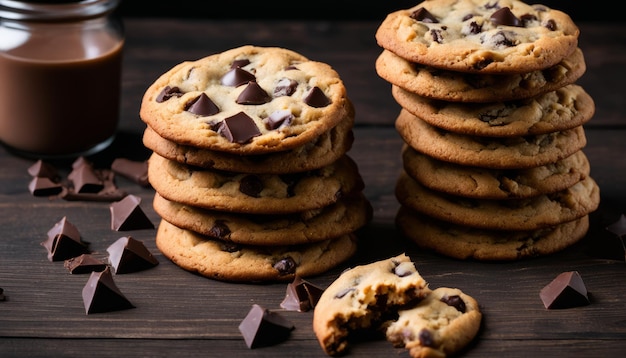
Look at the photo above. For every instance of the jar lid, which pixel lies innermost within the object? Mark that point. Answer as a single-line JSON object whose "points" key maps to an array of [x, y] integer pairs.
{"points": [[50, 10]]}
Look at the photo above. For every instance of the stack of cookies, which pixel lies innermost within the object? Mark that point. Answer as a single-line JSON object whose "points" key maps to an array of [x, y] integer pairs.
{"points": [[250, 167], [492, 122]]}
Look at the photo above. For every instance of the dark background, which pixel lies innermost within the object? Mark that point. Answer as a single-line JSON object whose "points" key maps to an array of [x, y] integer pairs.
{"points": [[601, 10]]}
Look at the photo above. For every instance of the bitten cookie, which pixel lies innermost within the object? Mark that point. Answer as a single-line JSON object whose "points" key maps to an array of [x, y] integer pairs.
{"points": [[480, 36], [489, 152], [246, 100], [322, 151], [565, 108], [514, 214], [224, 261], [254, 193], [440, 325], [464, 243], [483, 183], [347, 215], [363, 297]]}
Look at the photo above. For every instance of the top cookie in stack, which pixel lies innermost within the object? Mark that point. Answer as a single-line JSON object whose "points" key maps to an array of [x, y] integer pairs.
{"points": [[492, 120], [250, 167]]}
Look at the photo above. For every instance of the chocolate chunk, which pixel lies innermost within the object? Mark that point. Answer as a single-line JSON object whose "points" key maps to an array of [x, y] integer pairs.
{"points": [[278, 119], [423, 15], [285, 87], [501, 39], [404, 269], [253, 94], [202, 106], [136, 171], [128, 255], [251, 185], [239, 128], [85, 179], [286, 266], [455, 301], [167, 93], [301, 295], [426, 338], [42, 169], [42, 186], [316, 98], [237, 77], [565, 291], [262, 327], [229, 247], [64, 241], [344, 292], [220, 230], [550, 25], [436, 35], [100, 294], [126, 215], [504, 16], [85, 263], [240, 63], [619, 227]]}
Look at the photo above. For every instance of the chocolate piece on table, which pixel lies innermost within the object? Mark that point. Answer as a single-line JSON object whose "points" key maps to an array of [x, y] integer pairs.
{"points": [[85, 179], [565, 291], [134, 170], [43, 169], [126, 215], [253, 94], [128, 255], [202, 106], [101, 294], [301, 295], [239, 128], [262, 328], [316, 98], [64, 241], [85, 263], [619, 229], [44, 186]]}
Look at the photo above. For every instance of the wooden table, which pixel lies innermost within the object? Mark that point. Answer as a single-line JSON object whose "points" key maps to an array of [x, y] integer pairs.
{"points": [[181, 314]]}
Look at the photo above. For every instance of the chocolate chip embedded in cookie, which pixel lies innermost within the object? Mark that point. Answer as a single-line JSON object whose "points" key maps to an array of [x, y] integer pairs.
{"points": [[440, 325], [247, 100], [480, 36], [225, 261], [361, 297]]}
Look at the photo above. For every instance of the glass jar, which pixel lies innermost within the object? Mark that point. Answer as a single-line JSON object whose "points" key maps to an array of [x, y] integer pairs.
{"points": [[60, 76]]}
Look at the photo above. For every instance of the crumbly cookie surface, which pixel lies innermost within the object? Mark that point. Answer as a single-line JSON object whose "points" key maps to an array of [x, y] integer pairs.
{"points": [[440, 325], [466, 243], [247, 263], [489, 152], [514, 214], [254, 193], [475, 182], [355, 299], [562, 109], [480, 36], [347, 215], [454, 86], [246, 100]]}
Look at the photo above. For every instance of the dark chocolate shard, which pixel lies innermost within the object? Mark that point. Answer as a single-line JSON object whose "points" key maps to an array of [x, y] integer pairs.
{"points": [[220, 230], [285, 87], [253, 94], [43, 186], [41, 169], [240, 63], [237, 77], [101, 294], [133, 170], [567, 290], [127, 214], [202, 106], [262, 327], [64, 241], [455, 301], [301, 295], [278, 119], [423, 15], [85, 263], [128, 255], [167, 93], [85, 179], [239, 128], [315, 97], [251, 185], [504, 16], [286, 266]]}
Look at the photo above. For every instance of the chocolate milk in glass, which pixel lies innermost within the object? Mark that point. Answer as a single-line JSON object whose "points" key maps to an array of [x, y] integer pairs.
{"points": [[60, 70]]}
